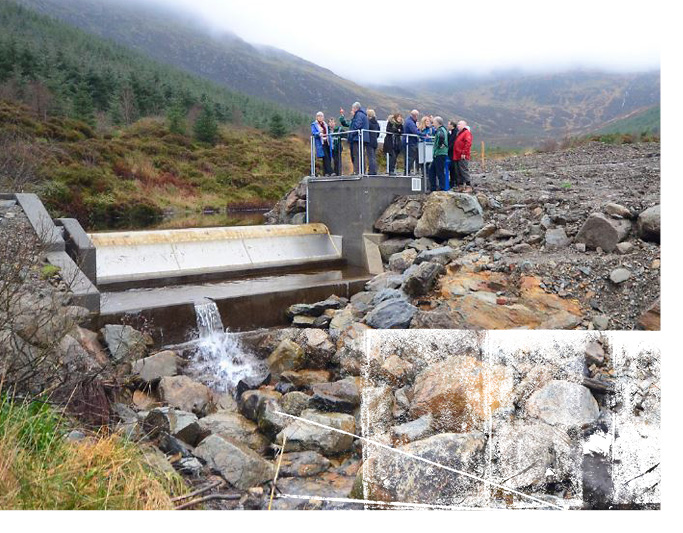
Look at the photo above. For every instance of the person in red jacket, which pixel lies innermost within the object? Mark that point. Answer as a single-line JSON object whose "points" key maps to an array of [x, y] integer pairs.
{"points": [[461, 157]]}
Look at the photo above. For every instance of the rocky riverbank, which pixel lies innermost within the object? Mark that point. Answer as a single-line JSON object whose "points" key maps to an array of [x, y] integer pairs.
{"points": [[562, 240]]}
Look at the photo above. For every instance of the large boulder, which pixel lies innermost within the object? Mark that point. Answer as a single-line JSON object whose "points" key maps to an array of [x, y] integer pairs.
{"points": [[303, 464], [179, 424], [389, 247], [461, 392], [183, 393], [563, 403], [156, 366], [341, 396], [447, 214], [317, 346], [402, 260], [649, 224], [391, 314], [234, 426], [600, 231], [421, 278], [301, 435], [533, 454], [241, 467], [251, 401], [391, 476], [124, 342], [401, 216], [287, 356], [351, 349]]}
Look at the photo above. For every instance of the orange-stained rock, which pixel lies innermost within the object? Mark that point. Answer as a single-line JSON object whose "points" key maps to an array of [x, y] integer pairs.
{"points": [[473, 302], [461, 392], [650, 320]]}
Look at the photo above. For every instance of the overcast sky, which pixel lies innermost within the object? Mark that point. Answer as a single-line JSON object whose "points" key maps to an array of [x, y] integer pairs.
{"points": [[388, 41]]}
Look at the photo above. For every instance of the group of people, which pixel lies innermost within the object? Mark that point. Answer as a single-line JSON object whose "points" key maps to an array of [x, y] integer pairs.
{"points": [[451, 145]]}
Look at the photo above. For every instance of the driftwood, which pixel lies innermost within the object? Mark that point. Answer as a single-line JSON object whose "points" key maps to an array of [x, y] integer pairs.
{"points": [[199, 491], [217, 496]]}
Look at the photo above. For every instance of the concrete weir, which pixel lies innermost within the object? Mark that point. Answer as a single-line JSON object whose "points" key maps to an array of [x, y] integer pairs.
{"points": [[129, 258]]}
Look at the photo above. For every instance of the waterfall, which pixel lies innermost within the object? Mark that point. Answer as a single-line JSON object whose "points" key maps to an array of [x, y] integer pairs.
{"points": [[220, 360]]}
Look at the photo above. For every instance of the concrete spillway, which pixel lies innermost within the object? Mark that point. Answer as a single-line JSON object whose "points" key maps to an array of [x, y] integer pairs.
{"points": [[141, 256]]}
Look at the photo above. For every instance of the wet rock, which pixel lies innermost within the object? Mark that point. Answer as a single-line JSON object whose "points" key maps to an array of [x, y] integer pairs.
{"points": [[179, 424], [595, 353], [522, 248], [189, 466], [533, 454], [303, 464], [171, 445], [422, 279], [303, 436], [624, 248], [156, 366], [294, 403], [619, 275], [453, 392], [418, 429], [240, 466], [234, 426], [401, 216], [617, 210], [396, 370], [389, 247], [441, 255], [377, 410], [390, 476], [563, 403], [385, 280], [422, 244], [488, 230], [556, 239], [649, 224], [351, 349], [317, 308], [183, 393], [317, 346], [650, 320], [402, 260], [305, 378], [341, 396], [447, 214], [391, 314], [602, 232], [386, 294], [124, 342], [287, 356], [252, 400], [270, 421]]}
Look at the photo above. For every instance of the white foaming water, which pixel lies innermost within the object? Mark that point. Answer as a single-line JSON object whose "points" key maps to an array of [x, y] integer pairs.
{"points": [[220, 361]]}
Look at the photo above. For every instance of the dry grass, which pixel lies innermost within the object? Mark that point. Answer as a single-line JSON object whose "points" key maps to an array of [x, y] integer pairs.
{"points": [[40, 469]]}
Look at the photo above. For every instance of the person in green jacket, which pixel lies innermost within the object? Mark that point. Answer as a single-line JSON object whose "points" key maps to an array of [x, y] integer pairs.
{"points": [[437, 171], [336, 146]]}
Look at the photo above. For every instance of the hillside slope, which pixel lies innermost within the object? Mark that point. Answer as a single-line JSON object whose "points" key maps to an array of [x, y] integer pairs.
{"points": [[508, 110]]}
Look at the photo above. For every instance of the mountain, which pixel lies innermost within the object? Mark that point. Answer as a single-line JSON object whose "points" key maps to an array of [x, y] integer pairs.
{"points": [[506, 109], [59, 69]]}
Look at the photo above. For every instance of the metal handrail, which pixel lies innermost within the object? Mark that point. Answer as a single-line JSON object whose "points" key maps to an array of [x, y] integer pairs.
{"points": [[361, 146]]}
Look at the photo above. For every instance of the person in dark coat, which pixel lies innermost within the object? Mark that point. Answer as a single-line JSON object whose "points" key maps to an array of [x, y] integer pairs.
{"points": [[358, 124], [450, 172], [393, 141], [321, 134], [411, 129], [437, 174], [371, 146], [336, 146]]}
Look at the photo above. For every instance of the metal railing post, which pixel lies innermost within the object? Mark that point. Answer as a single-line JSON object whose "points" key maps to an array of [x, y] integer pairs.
{"points": [[361, 168], [312, 158]]}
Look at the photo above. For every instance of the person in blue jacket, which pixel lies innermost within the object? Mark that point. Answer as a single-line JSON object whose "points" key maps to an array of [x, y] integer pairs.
{"points": [[358, 122], [323, 147], [411, 142]]}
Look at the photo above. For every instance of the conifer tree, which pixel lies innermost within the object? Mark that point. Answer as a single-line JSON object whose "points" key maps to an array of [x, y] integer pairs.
{"points": [[277, 126], [206, 127]]}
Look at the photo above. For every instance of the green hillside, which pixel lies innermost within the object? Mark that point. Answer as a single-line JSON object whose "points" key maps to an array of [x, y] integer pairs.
{"points": [[60, 70], [100, 132], [646, 121]]}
